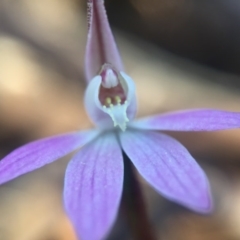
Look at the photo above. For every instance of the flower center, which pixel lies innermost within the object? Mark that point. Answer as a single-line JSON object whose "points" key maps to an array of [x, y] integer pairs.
{"points": [[113, 97]]}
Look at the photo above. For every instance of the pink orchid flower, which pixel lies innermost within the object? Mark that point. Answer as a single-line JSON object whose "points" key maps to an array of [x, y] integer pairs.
{"points": [[94, 176]]}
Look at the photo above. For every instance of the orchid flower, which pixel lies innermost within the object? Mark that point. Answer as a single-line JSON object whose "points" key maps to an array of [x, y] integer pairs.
{"points": [[94, 176]]}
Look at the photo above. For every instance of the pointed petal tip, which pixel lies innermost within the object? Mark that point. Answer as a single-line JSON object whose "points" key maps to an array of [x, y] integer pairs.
{"points": [[205, 206]]}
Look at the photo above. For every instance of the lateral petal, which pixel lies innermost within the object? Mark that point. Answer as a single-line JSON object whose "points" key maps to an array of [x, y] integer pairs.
{"points": [[169, 168], [93, 187], [41, 152], [191, 120]]}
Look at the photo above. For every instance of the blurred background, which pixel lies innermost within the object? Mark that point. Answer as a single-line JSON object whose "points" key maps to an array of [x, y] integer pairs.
{"points": [[181, 54]]}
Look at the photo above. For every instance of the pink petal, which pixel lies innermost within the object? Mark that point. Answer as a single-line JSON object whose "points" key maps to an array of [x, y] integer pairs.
{"points": [[101, 47], [93, 187], [191, 120], [39, 153], [169, 168]]}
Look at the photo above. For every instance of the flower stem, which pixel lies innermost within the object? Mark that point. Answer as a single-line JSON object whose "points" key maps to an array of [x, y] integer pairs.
{"points": [[134, 206]]}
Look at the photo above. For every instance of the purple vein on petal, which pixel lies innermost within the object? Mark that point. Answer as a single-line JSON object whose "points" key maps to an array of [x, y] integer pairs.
{"points": [[93, 187], [169, 168], [101, 47], [191, 120], [41, 152]]}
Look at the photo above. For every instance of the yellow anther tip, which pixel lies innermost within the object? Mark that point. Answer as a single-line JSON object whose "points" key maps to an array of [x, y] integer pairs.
{"points": [[108, 101], [117, 99]]}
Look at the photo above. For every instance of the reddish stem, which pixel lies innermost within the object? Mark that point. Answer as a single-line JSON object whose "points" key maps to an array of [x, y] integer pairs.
{"points": [[134, 205]]}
